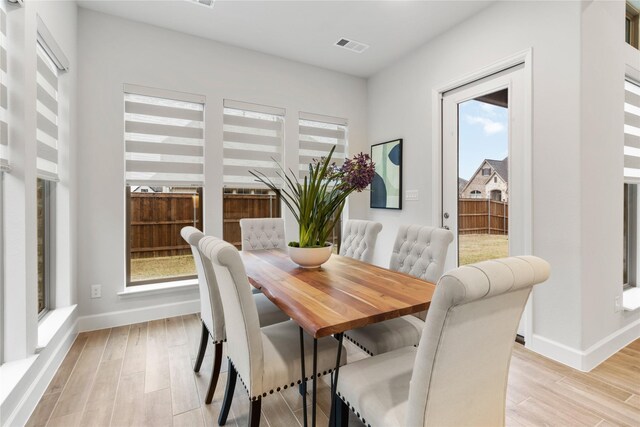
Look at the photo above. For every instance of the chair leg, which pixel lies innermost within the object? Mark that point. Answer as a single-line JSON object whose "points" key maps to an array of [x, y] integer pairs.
{"points": [[341, 414], [215, 373], [204, 340], [232, 376], [254, 412]]}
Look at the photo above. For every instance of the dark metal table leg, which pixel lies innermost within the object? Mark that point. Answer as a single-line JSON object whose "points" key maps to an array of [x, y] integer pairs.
{"points": [[315, 382], [334, 383], [304, 395]]}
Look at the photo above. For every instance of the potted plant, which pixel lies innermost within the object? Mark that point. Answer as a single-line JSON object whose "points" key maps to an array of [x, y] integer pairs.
{"points": [[317, 201]]}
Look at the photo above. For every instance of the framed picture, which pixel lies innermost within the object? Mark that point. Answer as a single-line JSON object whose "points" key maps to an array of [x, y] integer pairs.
{"points": [[386, 188]]}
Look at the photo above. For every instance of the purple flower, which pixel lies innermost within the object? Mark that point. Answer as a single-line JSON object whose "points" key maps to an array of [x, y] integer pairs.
{"points": [[357, 173]]}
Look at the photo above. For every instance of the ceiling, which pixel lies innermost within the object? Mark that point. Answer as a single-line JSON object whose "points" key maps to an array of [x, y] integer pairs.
{"points": [[306, 31]]}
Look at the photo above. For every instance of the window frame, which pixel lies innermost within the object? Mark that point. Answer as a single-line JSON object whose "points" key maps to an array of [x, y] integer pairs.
{"points": [[132, 284], [632, 18]]}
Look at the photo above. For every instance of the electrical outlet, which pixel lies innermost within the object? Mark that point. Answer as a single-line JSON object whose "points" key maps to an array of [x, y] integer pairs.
{"points": [[411, 195], [618, 304], [96, 291]]}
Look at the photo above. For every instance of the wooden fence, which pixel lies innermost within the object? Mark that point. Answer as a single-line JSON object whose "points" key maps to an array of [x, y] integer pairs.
{"points": [[236, 206], [156, 220], [483, 216]]}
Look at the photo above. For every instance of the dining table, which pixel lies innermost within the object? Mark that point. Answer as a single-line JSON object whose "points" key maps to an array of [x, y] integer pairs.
{"points": [[343, 294]]}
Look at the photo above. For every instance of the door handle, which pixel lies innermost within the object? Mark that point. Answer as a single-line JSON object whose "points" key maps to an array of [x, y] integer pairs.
{"points": [[446, 215], [446, 227]]}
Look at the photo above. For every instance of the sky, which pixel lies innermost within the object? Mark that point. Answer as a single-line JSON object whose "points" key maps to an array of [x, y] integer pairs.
{"points": [[483, 134]]}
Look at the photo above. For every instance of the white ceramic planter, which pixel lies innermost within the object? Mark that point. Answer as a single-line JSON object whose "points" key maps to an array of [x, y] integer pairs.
{"points": [[310, 257]]}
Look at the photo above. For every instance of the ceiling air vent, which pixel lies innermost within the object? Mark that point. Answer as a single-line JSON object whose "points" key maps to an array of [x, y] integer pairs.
{"points": [[352, 45]]}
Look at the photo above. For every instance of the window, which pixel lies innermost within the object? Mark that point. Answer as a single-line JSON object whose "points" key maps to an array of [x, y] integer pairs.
{"points": [[318, 134], [475, 194], [47, 169], [253, 140], [486, 171], [45, 253], [632, 178], [164, 157], [632, 26]]}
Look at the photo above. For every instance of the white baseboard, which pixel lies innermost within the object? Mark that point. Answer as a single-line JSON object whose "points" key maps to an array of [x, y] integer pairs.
{"points": [[588, 359], [27, 393], [608, 346], [137, 315], [554, 350]]}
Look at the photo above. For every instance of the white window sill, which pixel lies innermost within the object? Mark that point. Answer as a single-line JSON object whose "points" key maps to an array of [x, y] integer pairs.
{"points": [[631, 299], [159, 288], [51, 324]]}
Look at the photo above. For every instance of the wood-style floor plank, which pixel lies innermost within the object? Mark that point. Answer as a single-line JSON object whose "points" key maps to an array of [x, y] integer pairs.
{"points": [[184, 393], [135, 356], [129, 405], [159, 387], [157, 408], [157, 364], [42, 413]]}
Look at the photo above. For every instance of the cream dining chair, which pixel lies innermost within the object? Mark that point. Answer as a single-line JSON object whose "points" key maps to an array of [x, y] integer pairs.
{"points": [[211, 312], [419, 251], [262, 233], [359, 239], [457, 376], [266, 359]]}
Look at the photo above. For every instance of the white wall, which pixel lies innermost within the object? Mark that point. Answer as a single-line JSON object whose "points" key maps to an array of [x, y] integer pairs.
{"points": [[574, 133], [400, 107], [114, 51], [603, 67]]}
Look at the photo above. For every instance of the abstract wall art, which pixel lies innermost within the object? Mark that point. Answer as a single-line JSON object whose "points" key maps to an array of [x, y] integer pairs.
{"points": [[386, 188]]}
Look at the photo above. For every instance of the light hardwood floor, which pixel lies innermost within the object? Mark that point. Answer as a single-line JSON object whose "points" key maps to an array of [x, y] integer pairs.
{"points": [[141, 375]]}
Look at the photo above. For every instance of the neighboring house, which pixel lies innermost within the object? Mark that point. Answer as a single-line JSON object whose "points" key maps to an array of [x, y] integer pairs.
{"points": [[490, 181]]}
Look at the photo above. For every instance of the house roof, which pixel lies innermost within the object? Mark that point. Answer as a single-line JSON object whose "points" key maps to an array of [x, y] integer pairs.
{"points": [[501, 167], [461, 184]]}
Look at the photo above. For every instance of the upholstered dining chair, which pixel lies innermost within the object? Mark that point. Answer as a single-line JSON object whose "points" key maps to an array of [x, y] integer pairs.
{"points": [[359, 239], [266, 359], [421, 252], [211, 312], [262, 233], [457, 376]]}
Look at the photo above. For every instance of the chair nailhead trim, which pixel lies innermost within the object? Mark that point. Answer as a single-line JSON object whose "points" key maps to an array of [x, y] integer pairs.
{"points": [[253, 398], [353, 409], [359, 345]]}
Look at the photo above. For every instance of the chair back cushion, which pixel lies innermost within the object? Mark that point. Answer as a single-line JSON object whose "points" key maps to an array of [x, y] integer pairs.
{"points": [[210, 304], [244, 339], [462, 363], [359, 239], [262, 233], [421, 251]]}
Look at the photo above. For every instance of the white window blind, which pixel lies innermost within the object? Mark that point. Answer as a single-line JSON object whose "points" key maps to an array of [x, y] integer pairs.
{"points": [[4, 130], [47, 120], [318, 134], [632, 131], [253, 138], [164, 137]]}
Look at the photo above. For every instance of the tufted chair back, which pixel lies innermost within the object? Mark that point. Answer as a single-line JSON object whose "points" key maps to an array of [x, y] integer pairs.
{"points": [[262, 233], [359, 239], [210, 305], [244, 339], [462, 362], [421, 251]]}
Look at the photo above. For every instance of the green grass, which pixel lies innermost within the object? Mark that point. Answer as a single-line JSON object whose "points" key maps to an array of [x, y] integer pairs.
{"points": [[480, 247], [162, 267]]}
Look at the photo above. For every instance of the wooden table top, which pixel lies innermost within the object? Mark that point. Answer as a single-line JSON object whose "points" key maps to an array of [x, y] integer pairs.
{"points": [[343, 294]]}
